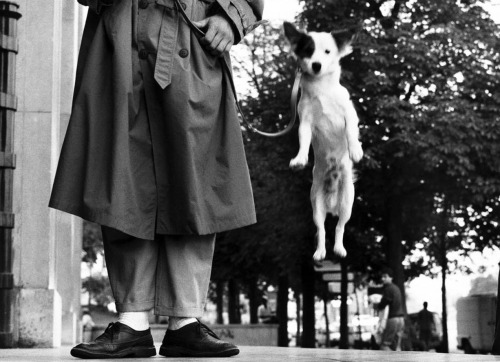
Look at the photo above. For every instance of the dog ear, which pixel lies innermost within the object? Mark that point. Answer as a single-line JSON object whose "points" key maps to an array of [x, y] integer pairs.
{"points": [[291, 33], [344, 39]]}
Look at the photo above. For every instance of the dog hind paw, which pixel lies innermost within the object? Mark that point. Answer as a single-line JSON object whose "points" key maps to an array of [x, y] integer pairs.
{"points": [[319, 254], [340, 251]]}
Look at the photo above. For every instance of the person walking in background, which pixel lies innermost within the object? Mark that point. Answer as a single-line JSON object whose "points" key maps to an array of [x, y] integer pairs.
{"points": [[87, 325], [154, 154], [394, 325], [265, 313], [425, 320]]}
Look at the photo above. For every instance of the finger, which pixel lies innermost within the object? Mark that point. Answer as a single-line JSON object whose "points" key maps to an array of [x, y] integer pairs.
{"points": [[221, 48], [211, 32], [201, 23], [228, 46], [215, 44], [208, 40]]}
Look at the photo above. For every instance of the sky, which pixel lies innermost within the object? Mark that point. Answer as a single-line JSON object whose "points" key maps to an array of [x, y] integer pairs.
{"points": [[494, 8], [280, 10]]}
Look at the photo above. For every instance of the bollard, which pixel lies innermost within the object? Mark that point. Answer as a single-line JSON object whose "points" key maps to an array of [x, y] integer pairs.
{"points": [[9, 16]]}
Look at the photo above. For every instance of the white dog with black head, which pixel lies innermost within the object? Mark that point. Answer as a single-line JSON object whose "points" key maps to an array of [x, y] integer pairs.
{"points": [[329, 121]]}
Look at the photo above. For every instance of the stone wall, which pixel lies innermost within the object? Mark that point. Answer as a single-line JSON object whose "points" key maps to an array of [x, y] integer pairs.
{"points": [[47, 243]]}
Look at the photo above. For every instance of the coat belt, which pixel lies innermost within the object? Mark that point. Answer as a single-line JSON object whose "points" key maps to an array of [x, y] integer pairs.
{"points": [[168, 40], [166, 45]]}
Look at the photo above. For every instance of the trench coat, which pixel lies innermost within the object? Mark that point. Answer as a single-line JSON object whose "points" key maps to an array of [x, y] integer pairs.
{"points": [[154, 144]]}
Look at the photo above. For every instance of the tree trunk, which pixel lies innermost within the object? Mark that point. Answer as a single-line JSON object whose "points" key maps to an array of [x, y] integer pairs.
{"points": [[327, 320], [444, 269], [495, 350], [253, 301], [394, 248], [220, 301], [89, 302], [444, 348], [308, 338], [282, 311], [299, 320], [234, 302], [344, 328]]}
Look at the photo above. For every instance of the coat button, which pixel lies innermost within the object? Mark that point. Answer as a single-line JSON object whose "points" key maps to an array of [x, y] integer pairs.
{"points": [[143, 4], [183, 53], [143, 54], [184, 6]]}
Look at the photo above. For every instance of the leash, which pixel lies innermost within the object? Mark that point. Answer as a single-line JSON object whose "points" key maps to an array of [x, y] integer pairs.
{"points": [[295, 89]]}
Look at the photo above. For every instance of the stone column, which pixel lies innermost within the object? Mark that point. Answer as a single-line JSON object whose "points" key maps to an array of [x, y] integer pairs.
{"points": [[47, 243]]}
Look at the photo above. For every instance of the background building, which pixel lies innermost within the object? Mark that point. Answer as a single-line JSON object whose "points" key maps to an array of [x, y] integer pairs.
{"points": [[46, 243]]}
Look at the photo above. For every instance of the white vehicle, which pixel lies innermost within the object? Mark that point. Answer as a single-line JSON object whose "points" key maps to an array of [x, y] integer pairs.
{"points": [[476, 318]]}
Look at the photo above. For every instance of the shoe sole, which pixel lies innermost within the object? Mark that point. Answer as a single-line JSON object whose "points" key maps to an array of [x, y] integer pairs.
{"points": [[186, 352], [126, 353]]}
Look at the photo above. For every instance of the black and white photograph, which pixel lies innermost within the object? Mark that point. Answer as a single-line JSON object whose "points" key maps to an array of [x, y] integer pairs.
{"points": [[250, 180]]}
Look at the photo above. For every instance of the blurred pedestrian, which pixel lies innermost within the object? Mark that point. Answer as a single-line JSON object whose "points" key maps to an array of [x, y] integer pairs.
{"points": [[426, 324], [394, 325], [265, 313], [87, 324]]}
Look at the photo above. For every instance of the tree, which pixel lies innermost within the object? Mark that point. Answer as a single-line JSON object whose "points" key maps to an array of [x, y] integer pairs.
{"points": [[424, 78], [426, 81], [92, 242], [99, 289]]}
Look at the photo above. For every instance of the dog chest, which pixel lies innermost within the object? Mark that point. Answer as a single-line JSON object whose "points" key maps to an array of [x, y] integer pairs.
{"points": [[325, 113]]}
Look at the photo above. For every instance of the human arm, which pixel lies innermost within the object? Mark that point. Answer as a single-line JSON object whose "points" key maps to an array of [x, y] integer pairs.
{"points": [[386, 300], [230, 23], [383, 303], [244, 15]]}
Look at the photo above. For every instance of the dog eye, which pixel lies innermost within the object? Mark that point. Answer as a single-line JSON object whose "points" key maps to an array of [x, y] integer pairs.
{"points": [[327, 51]]}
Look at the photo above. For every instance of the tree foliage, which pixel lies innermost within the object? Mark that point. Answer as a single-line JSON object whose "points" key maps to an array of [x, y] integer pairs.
{"points": [[425, 79], [92, 245], [99, 289]]}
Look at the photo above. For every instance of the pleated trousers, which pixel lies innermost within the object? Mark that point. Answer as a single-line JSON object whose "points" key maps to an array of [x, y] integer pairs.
{"points": [[170, 274]]}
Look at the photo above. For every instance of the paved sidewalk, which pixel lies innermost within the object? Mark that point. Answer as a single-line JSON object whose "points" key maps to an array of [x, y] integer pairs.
{"points": [[265, 354]]}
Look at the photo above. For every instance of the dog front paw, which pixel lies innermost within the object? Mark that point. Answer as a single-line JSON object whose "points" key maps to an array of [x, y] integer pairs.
{"points": [[298, 163], [356, 152]]}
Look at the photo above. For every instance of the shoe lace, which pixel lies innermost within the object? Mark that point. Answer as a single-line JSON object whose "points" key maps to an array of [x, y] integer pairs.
{"points": [[109, 332], [207, 330]]}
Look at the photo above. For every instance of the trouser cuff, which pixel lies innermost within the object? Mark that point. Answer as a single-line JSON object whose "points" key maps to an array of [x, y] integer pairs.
{"points": [[135, 307], [195, 312]]}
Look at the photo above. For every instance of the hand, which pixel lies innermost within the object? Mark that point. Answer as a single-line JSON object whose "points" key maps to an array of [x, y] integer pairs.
{"points": [[219, 36]]}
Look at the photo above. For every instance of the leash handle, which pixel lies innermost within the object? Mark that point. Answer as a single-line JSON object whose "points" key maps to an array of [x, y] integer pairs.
{"points": [[295, 90]]}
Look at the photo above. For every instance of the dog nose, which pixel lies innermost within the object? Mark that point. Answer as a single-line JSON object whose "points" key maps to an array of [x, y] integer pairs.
{"points": [[316, 67]]}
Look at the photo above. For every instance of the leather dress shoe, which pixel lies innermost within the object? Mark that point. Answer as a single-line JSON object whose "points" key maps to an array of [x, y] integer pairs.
{"points": [[193, 340], [117, 341]]}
